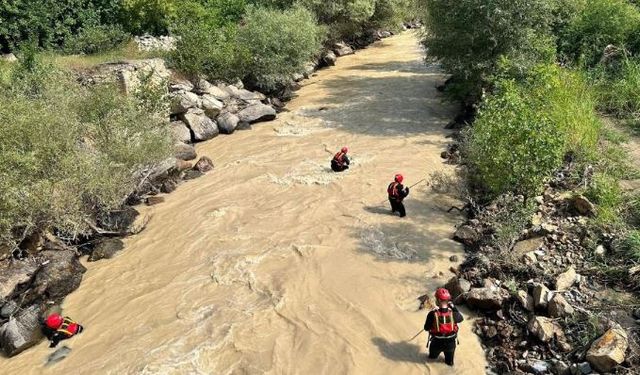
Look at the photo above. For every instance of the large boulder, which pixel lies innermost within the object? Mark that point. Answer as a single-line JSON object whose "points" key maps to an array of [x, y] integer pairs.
{"points": [[217, 92], [14, 273], [467, 235], [106, 249], [329, 58], [565, 280], [203, 127], [243, 94], [609, 350], [227, 122], [183, 151], [59, 275], [180, 85], [342, 49], [130, 75], [256, 113], [118, 220], [180, 131], [211, 105], [488, 298], [559, 307], [22, 331], [457, 287], [182, 101]]}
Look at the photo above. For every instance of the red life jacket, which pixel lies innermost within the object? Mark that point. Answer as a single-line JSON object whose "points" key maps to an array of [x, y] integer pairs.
{"points": [[444, 324], [393, 190], [69, 327], [339, 158]]}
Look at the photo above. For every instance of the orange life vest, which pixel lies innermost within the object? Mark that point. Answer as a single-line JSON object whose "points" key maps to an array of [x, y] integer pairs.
{"points": [[339, 158], [444, 324], [68, 327]]}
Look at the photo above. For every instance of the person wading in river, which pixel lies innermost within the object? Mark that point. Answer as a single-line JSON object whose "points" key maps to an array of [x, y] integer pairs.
{"points": [[397, 193], [442, 325], [57, 328], [340, 161]]}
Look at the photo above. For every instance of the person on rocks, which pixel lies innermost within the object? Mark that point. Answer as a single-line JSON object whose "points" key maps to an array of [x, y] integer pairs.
{"points": [[340, 161], [58, 328], [442, 325], [397, 193]]}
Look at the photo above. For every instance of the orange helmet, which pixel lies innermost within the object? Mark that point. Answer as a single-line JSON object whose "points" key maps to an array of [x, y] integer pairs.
{"points": [[443, 295], [54, 321], [345, 149], [398, 178]]}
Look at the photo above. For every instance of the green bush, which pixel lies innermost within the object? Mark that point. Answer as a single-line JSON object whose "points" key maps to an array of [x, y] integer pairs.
{"points": [[599, 24], [606, 194], [619, 91], [148, 16], [94, 39], [630, 246], [279, 44], [470, 37], [68, 152], [523, 131]]}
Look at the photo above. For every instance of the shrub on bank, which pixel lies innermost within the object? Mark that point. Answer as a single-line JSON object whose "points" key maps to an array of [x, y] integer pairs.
{"points": [[67, 152], [523, 131], [94, 39], [619, 90]]}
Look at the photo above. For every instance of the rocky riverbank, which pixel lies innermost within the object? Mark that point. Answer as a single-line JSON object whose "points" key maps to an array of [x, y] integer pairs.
{"points": [[535, 271], [38, 274]]}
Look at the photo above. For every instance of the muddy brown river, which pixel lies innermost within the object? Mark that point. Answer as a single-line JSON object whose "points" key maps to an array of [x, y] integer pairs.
{"points": [[272, 264]]}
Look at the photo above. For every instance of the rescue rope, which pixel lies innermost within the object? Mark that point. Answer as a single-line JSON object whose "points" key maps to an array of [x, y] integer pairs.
{"points": [[414, 337]]}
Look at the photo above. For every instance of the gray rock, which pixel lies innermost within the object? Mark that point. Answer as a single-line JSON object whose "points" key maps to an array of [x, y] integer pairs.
{"points": [[309, 69], [342, 49], [183, 151], [106, 249], [14, 273], [8, 57], [525, 300], [21, 332], [243, 125], [180, 85], [609, 350], [541, 296], [227, 122], [467, 235], [8, 308], [544, 329], [118, 220], [539, 367], [297, 77], [182, 101], [600, 250], [218, 92], [581, 369], [203, 127], [205, 164], [129, 74], [59, 275], [559, 307], [526, 246], [329, 58], [565, 280], [211, 105], [560, 368], [243, 94], [192, 174], [180, 131], [486, 298], [457, 287], [257, 113], [149, 43]]}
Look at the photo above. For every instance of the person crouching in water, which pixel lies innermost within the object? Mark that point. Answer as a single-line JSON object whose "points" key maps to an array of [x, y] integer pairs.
{"points": [[57, 328], [397, 193], [442, 325], [340, 161]]}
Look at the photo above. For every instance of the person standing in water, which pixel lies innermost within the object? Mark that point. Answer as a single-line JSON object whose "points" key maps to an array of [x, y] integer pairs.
{"points": [[397, 193], [442, 325], [57, 328], [340, 161]]}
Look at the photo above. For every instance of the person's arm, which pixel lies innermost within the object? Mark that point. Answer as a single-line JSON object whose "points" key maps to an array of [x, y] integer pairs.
{"points": [[56, 338], [429, 322], [457, 316], [346, 160]]}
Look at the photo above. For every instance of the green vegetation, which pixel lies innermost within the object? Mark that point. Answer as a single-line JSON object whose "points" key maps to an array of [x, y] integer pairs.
{"points": [[68, 152]]}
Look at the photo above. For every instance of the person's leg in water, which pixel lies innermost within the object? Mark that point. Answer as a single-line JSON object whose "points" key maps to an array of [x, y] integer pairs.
{"points": [[394, 208], [435, 348], [448, 356], [400, 209]]}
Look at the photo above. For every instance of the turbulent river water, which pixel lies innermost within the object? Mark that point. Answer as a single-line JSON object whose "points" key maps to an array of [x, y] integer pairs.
{"points": [[272, 264]]}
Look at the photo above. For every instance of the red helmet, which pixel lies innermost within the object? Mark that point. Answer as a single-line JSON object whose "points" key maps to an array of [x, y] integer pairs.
{"points": [[345, 149], [443, 295], [54, 321], [398, 178]]}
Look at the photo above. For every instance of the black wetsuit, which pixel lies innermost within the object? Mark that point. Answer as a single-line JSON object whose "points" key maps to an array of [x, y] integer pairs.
{"points": [[396, 196], [340, 162], [444, 344]]}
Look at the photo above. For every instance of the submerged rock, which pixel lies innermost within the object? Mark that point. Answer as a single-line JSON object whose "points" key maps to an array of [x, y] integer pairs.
{"points": [[106, 249], [256, 113], [22, 331], [205, 164]]}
